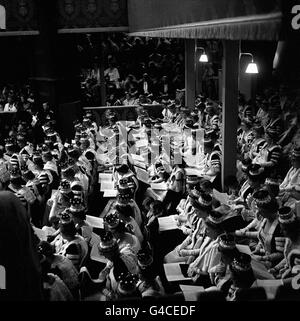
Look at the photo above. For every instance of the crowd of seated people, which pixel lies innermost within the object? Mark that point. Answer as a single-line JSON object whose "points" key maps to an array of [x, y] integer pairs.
{"points": [[226, 243], [137, 69]]}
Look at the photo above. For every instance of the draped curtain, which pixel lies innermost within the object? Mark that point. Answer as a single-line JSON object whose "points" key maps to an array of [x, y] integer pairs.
{"points": [[219, 19]]}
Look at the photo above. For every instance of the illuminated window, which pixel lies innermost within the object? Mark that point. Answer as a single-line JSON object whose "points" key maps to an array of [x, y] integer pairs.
{"points": [[2, 18]]}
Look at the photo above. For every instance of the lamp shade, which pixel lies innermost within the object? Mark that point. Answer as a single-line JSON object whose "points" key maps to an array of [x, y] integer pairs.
{"points": [[203, 58], [252, 68]]}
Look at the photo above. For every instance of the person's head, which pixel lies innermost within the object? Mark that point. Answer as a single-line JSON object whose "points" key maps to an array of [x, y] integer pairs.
{"points": [[289, 223], [125, 210], [274, 110], [227, 248], [188, 122], [46, 249], [27, 174], [20, 258], [272, 186], [146, 204], [213, 227], [84, 144], [21, 141], [78, 216], [38, 161], [145, 263], [206, 186], [125, 193], [46, 106], [157, 209], [231, 184], [114, 224], [241, 271], [10, 146], [271, 135], [191, 182], [202, 204], [210, 109], [47, 156], [258, 131], [210, 134], [267, 206], [264, 105], [10, 99], [128, 96], [295, 157], [294, 261], [245, 164], [16, 176], [67, 230], [256, 175], [108, 246], [54, 222], [74, 152], [142, 99], [246, 124], [127, 285], [122, 169], [77, 208], [68, 173]]}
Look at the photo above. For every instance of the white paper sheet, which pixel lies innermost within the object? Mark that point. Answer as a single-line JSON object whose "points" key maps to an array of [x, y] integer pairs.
{"points": [[107, 185], [194, 171], [110, 193], [41, 234], [190, 291], [173, 272], [105, 177], [244, 249], [94, 221], [138, 158], [223, 198], [95, 255], [142, 174], [141, 143], [102, 158], [159, 186], [167, 223], [142, 165], [260, 271], [270, 286]]}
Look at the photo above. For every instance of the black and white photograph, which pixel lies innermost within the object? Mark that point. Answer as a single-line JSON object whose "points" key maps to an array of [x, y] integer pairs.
{"points": [[149, 154]]}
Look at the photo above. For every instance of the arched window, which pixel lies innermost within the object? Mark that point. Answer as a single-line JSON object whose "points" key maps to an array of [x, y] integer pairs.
{"points": [[2, 18]]}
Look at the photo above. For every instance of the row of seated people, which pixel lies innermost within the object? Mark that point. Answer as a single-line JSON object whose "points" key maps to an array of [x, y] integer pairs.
{"points": [[255, 210]]}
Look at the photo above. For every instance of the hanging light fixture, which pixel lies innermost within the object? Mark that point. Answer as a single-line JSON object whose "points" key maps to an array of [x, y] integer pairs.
{"points": [[252, 66], [203, 56]]}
